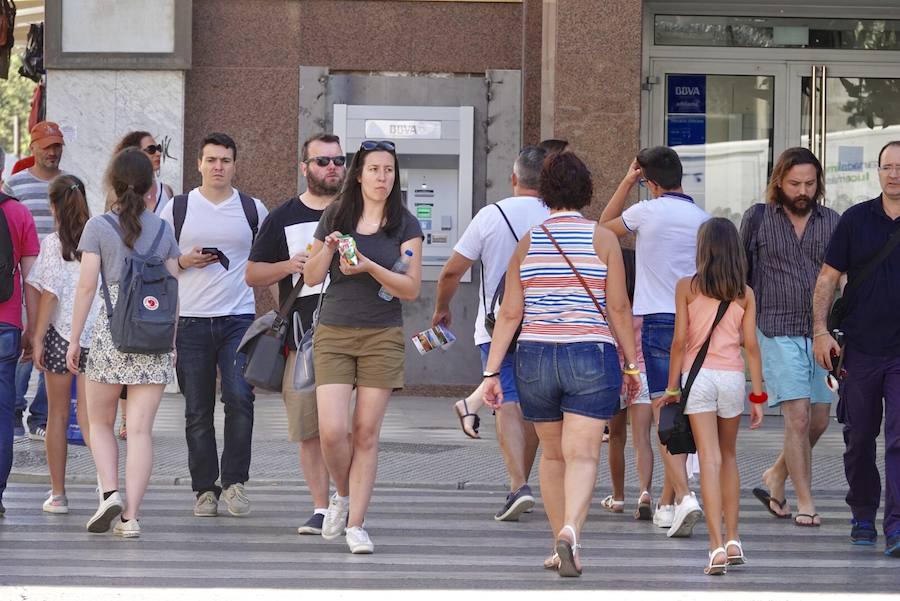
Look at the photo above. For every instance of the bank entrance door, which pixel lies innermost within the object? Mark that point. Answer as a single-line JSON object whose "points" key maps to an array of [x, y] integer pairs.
{"points": [[729, 120]]}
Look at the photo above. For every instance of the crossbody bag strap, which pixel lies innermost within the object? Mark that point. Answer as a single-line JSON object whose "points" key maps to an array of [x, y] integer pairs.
{"points": [[577, 273], [281, 316], [508, 224], [701, 354], [869, 267], [497, 291]]}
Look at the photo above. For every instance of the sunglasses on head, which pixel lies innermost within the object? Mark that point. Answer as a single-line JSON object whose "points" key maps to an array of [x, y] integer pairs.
{"points": [[323, 161], [379, 145], [153, 148]]}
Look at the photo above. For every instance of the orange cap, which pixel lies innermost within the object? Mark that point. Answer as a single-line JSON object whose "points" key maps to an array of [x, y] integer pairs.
{"points": [[46, 133]]}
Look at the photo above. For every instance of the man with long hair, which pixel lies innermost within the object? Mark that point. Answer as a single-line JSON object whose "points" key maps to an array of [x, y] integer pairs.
{"points": [[785, 240]]}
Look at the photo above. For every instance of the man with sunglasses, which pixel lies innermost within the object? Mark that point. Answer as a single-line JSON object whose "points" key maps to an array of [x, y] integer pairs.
{"points": [[278, 257]]}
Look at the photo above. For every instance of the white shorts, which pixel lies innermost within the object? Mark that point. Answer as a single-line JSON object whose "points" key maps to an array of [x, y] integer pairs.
{"points": [[643, 397], [718, 390]]}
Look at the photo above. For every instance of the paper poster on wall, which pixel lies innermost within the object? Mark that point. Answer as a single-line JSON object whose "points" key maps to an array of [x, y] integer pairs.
{"points": [[686, 94], [682, 130]]}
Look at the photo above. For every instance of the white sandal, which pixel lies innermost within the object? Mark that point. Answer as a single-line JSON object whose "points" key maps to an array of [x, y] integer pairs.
{"points": [[610, 504], [735, 560], [552, 562], [716, 569], [566, 552]]}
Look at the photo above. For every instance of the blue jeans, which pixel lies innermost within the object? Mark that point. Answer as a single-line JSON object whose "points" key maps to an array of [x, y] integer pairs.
{"points": [[37, 413], [10, 348], [204, 344], [656, 343], [583, 378]]}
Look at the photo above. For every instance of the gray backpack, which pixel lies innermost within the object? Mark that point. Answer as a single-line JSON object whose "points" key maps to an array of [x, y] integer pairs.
{"points": [[146, 311]]}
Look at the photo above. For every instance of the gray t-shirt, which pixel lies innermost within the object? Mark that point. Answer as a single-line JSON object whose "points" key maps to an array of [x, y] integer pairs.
{"points": [[33, 192], [100, 237], [352, 300]]}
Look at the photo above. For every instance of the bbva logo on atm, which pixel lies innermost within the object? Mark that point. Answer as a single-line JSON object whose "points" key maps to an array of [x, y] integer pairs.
{"points": [[687, 90]]}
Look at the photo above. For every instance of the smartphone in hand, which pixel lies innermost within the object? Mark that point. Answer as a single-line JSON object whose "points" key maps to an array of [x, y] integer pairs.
{"points": [[212, 250]]}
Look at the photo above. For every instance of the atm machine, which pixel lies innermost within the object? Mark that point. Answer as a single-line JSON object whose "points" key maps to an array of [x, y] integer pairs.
{"points": [[434, 145]]}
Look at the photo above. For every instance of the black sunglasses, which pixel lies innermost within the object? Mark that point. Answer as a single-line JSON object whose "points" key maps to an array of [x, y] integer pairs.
{"points": [[323, 161], [380, 145], [153, 148]]}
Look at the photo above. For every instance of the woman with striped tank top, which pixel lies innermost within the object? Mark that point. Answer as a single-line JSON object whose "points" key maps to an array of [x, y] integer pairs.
{"points": [[566, 278]]}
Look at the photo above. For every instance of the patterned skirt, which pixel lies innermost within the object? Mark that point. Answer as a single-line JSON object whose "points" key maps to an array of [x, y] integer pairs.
{"points": [[108, 365]]}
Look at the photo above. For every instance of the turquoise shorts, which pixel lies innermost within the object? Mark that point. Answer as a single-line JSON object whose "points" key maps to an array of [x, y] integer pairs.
{"points": [[791, 371]]}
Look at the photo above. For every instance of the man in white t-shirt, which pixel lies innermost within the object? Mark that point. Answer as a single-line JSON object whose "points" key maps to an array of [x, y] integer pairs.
{"points": [[665, 251], [492, 237], [215, 226]]}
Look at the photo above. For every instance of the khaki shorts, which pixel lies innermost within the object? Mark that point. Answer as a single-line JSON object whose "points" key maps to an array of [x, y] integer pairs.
{"points": [[301, 408], [371, 357]]}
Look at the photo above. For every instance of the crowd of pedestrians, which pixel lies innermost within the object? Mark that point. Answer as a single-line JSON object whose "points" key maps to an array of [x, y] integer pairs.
{"points": [[577, 335]]}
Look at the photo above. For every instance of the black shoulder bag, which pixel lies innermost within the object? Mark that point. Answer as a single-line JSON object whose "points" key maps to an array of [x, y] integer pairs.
{"points": [[840, 308], [490, 317], [674, 426]]}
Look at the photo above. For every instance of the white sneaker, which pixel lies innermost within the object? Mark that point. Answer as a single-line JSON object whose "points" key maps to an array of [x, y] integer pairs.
{"points": [[358, 540], [236, 500], [687, 513], [56, 504], [207, 505], [335, 518], [664, 516], [129, 529], [105, 514]]}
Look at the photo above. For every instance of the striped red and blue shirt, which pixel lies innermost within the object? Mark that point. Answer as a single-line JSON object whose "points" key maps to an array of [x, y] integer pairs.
{"points": [[557, 307]]}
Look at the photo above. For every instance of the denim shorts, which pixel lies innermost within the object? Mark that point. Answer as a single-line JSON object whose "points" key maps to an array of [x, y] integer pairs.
{"points": [[791, 371], [656, 342], [583, 378], [507, 373]]}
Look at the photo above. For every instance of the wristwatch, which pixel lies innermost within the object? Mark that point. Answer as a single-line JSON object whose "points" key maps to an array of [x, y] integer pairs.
{"points": [[630, 367], [489, 374]]}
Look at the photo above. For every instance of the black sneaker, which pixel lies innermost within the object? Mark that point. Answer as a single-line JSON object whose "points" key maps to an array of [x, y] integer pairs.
{"points": [[313, 525], [892, 548], [863, 532], [516, 504]]}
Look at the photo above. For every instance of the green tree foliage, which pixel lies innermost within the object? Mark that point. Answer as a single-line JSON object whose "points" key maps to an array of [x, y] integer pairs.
{"points": [[15, 100]]}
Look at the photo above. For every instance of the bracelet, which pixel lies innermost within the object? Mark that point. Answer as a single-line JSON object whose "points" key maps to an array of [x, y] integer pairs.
{"points": [[178, 261], [820, 334], [758, 399], [631, 372], [673, 391]]}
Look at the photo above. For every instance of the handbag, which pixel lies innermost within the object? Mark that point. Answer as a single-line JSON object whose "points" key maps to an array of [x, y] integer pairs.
{"points": [[490, 317], [840, 308], [674, 427], [304, 373], [264, 345]]}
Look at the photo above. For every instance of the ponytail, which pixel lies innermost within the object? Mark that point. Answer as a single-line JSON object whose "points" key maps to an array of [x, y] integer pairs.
{"points": [[130, 176], [67, 196]]}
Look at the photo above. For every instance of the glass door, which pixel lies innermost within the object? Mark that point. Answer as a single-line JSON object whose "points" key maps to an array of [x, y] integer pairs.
{"points": [[845, 113], [725, 120]]}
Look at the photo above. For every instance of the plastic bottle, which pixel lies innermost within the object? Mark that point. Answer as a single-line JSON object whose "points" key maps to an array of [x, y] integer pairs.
{"points": [[400, 266]]}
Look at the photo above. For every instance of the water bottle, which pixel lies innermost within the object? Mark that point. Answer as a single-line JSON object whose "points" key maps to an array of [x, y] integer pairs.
{"points": [[400, 266]]}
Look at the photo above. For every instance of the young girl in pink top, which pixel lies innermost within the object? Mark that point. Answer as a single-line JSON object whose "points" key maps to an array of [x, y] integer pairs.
{"points": [[716, 399]]}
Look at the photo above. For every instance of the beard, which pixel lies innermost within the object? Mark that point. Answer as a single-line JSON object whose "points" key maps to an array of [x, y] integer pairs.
{"points": [[322, 187], [800, 205]]}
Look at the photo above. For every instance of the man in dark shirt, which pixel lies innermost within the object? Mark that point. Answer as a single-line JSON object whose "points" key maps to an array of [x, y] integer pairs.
{"points": [[872, 351], [785, 240], [278, 256]]}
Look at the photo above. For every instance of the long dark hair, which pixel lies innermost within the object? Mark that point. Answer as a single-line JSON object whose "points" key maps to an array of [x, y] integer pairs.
{"points": [[789, 159], [721, 263], [350, 202], [132, 138], [67, 196], [130, 176]]}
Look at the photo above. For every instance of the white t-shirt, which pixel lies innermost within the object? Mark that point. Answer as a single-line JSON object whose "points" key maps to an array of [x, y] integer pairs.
{"points": [[214, 291], [665, 250], [488, 238]]}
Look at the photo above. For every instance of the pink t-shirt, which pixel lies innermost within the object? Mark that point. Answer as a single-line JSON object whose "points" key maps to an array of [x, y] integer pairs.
{"points": [[725, 345], [25, 244]]}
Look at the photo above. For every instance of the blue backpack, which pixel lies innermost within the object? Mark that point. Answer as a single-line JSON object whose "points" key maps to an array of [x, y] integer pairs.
{"points": [[146, 310]]}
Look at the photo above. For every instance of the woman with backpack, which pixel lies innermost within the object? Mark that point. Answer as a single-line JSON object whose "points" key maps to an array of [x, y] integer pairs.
{"points": [[54, 276], [118, 247], [717, 305]]}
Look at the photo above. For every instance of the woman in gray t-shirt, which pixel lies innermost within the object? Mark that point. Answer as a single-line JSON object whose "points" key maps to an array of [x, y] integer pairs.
{"points": [[130, 177], [359, 340]]}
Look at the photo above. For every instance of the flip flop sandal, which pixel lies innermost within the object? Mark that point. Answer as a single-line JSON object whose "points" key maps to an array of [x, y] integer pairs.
{"points": [[552, 562], [566, 552], [766, 499], [716, 569], [812, 520], [735, 560], [611, 505], [644, 510], [462, 415]]}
